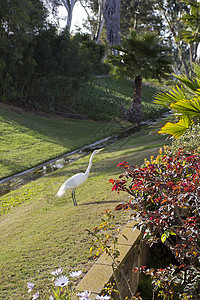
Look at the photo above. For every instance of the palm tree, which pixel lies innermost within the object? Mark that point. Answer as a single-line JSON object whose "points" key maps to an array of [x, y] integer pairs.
{"points": [[184, 101], [140, 56]]}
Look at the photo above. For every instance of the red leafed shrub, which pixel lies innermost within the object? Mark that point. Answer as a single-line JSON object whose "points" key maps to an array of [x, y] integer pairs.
{"points": [[165, 198]]}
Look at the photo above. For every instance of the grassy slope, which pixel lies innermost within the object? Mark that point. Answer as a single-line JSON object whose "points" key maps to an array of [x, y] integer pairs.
{"points": [[41, 232], [28, 139], [100, 98], [37, 231]]}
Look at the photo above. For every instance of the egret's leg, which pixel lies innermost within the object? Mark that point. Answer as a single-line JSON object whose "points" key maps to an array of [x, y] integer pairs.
{"points": [[74, 197]]}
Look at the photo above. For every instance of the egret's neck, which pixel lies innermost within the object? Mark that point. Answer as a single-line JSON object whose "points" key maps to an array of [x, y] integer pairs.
{"points": [[90, 164]]}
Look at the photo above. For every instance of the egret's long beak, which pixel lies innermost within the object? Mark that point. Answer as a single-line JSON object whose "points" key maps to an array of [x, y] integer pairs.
{"points": [[101, 149]]}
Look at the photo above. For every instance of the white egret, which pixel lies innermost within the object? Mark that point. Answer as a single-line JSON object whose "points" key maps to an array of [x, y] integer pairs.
{"points": [[76, 180]]}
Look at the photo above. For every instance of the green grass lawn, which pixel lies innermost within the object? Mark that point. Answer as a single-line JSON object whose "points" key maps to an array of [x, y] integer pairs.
{"points": [[40, 232], [27, 139]]}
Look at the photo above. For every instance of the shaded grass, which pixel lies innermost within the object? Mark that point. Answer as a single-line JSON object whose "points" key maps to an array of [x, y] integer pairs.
{"points": [[40, 232], [27, 140], [100, 99]]}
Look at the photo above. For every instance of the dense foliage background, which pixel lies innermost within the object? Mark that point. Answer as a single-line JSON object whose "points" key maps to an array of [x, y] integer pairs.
{"points": [[40, 67], [44, 67]]}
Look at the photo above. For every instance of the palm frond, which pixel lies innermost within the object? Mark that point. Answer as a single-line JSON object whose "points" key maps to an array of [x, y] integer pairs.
{"points": [[176, 129], [166, 99], [196, 68], [192, 84], [187, 107]]}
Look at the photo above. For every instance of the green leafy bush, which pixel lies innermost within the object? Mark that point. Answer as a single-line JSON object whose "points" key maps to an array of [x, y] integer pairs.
{"points": [[58, 74], [40, 67], [96, 53], [165, 198]]}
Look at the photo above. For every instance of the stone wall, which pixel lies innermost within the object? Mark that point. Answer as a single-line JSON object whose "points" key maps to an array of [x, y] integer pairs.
{"points": [[133, 253]]}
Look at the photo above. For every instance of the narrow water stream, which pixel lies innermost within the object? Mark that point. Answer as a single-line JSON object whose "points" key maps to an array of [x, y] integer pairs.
{"points": [[16, 181]]}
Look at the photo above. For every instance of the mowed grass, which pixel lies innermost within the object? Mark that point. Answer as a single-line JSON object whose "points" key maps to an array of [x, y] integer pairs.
{"points": [[27, 139], [40, 232]]}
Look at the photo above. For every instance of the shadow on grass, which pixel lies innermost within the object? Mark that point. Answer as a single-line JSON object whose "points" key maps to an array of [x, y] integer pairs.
{"points": [[99, 202]]}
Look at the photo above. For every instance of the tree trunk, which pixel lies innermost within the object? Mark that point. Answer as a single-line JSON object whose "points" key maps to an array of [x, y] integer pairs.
{"points": [[69, 19], [174, 30], [95, 32], [111, 13], [69, 5], [100, 22], [99, 30], [134, 114]]}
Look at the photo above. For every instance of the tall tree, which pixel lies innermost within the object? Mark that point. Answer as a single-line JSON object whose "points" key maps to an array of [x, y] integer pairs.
{"points": [[141, 56], [95, 20], [69, 5], [140, 15], [111, 13], [171, 11], [191, 32], [53, 5], [104, 12]]}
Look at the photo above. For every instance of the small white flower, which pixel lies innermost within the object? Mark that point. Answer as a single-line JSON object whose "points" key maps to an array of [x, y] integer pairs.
{"points": [[84, 295], [106, 297], [62, 281], [30, 286], [36, 296], [57, 272], [75, 273], [51, 297]]}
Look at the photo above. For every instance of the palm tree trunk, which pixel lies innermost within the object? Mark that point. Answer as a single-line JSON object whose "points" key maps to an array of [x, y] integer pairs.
{"points": [[137, 96], [136, 106], [134, 114]]}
